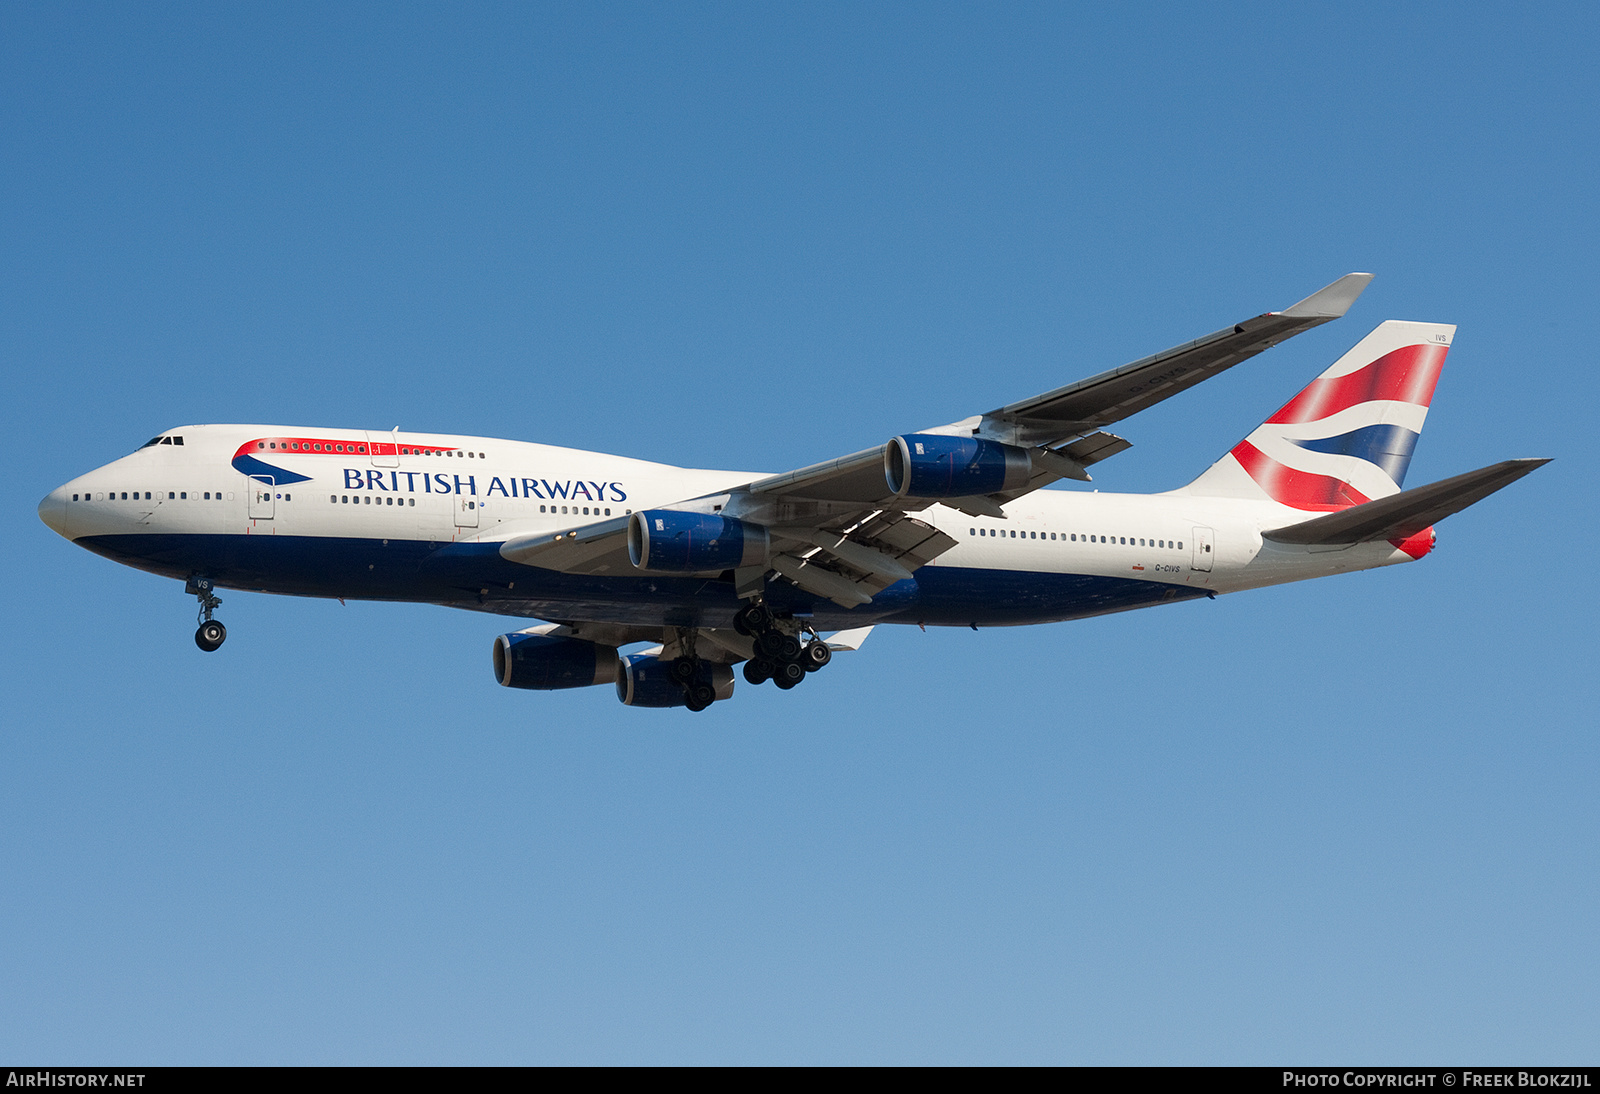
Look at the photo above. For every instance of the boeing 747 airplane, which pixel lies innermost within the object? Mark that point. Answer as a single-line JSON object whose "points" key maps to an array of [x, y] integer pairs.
{"points": [[712, 569]]}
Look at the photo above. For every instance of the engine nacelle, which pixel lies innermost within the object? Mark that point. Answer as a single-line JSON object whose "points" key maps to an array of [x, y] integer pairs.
{"points": [[675, 542], [929, 465], [643, 681], [545, 662]]}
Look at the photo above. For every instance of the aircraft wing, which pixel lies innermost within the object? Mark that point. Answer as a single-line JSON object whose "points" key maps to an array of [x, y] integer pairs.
{"points": [[719, 644], [1121, 392], [840, 530], [847, 559], [1076, 413]]}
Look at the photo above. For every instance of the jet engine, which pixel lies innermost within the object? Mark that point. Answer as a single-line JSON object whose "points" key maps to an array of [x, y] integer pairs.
{"points": [[675, 542], [645, 680], [929, 465], [545, 662]]}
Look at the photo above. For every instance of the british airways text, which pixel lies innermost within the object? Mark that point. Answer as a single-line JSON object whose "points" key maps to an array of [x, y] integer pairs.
{"points": [[440, 483]]}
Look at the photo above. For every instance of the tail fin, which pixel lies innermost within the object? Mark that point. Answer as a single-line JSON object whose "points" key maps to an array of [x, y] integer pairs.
{"points": [[1347, 438]]}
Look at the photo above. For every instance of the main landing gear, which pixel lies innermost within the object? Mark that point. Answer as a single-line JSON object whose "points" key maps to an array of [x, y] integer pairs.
{"points": [[697, 694], [211, 633], [780, 655]]}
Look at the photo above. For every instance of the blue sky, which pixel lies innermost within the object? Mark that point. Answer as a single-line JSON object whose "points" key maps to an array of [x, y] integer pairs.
{"points": [[1352, 820]]}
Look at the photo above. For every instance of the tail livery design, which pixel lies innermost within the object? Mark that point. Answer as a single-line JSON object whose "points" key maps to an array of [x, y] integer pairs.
{"points": [[1348, 437]]}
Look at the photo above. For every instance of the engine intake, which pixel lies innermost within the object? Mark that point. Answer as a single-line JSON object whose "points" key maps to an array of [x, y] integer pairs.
{"points": [[929, 465], [675, 542], [643, 681], [544, 662]]}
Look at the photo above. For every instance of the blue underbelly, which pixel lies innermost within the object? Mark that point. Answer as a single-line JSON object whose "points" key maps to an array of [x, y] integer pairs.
{"points": [[474, 576]]}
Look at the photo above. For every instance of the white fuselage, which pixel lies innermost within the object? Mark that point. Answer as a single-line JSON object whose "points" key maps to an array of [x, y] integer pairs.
{"points": [[197, 507]]}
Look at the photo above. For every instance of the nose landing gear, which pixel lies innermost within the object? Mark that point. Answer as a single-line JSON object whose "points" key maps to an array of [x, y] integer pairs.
{"points": [[211, 633]]}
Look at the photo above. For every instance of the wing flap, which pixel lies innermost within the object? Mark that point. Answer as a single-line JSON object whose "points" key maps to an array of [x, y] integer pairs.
{"points": [[854, 563], [1403, 515], [820, 581], [908, 541], [1090, 450]]}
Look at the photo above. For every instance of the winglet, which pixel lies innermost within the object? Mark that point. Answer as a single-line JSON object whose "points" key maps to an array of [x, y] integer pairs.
{"points": [[1332, 301]]}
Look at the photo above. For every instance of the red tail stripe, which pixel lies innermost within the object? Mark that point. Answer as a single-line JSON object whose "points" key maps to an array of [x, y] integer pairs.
{"points": [[1300, 489], [1418, 545], [1406, 375]]}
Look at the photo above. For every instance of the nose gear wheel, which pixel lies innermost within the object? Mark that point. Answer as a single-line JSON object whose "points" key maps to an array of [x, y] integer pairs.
{"points": [[211, 633]]}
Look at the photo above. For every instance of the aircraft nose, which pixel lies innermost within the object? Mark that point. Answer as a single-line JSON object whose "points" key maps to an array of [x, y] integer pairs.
{"points": [[53, 511]]}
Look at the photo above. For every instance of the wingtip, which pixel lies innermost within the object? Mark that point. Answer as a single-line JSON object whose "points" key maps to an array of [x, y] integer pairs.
{"points": [[1333, 300]]}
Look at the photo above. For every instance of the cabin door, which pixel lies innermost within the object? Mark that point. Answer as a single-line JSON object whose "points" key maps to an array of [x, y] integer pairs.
{"points": [[1203, 540], [384, 450], [261, 490]]}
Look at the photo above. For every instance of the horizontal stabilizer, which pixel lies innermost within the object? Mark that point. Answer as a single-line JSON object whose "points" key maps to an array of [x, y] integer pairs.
{"points": [[1402, 515]]}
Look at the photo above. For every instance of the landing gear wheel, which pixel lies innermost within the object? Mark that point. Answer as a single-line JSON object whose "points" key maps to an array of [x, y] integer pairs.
{"points": [[816, 655], [789, 649], [752, 619], [770, 643], [211, 633], [700, 696], [682, 670], [758, 671], [789, 674]]}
